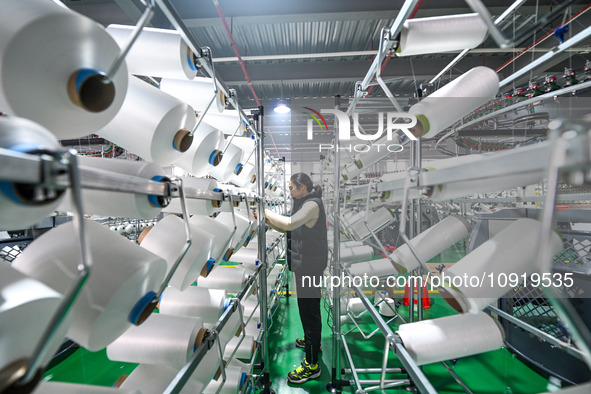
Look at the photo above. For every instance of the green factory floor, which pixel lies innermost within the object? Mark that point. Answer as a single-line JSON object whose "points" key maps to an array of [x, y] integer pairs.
{"points": [[492, 372]]}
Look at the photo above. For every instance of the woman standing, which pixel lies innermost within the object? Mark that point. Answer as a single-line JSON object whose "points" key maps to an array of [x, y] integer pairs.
{"points": [[307, 256]]}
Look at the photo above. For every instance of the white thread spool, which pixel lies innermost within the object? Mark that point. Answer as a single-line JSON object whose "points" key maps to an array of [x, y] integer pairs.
{"points": [[450, 337], [247, 177], [151, 124], [71, 98], [204, 152], [396, 196], [18, 207], [228, 122], [120, 204], [232, 279], [461, 189], [230, 164], [431, 242], [350, 244], [232, 329], [161, 340], [364, 160], [248, 257], [356, 253], [244, 367], [26, 308], [253, 327], [167, 239], [242, 227], [114, 293], [197, 93], [73, 388], [154, 379], [221, 233], [464, 189], [248, 145], [235, 380], [251, 305], [441, 34], [379, 268], [387, 307], [156, 52], [207, 304], [448, 104], [511, 253], [375, 220], [196, 206], [355, 306]]}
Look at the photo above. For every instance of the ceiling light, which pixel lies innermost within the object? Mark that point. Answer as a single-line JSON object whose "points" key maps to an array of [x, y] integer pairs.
{"points": [[281, 107]]}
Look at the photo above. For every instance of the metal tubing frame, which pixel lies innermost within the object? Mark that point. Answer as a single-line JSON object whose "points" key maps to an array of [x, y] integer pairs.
{"points": [[547, 56], [564, 309], [497, 35], [186, 246], [461, 55], [142, 22], [418, 377], [262, 247], [538, 333], [181, 378], [336, 265], [177, 22], [84, 269]]}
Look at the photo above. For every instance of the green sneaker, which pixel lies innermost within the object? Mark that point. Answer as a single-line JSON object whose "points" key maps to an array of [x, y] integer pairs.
{"points": [[303, 373]]}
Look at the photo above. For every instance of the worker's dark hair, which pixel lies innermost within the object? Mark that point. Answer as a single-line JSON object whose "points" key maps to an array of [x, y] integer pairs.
{"points": [[300, 179]]}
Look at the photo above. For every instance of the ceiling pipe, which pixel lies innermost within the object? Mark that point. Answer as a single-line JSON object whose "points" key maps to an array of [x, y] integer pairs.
{"points": [[412, 15], [497, 22], [532, 46], [216, 3]]}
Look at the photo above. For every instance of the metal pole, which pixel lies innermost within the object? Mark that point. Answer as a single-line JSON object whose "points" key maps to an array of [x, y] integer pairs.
{"points": [[418, 164], [336, 266], [262, 247], [286, 270]]}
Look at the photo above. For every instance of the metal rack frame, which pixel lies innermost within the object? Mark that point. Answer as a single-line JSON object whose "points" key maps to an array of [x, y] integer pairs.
{"points": [[46, 169]]}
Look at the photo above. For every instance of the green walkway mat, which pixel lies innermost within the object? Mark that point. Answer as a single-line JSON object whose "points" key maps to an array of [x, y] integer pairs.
{"points": [[493, 372]]}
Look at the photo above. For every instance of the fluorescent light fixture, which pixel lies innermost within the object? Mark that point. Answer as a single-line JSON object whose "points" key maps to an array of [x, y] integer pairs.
{"points": [[282, 107]]}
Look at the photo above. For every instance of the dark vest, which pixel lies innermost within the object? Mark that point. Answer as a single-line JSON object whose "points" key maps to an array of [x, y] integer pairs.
{"points": [[307, 252]]}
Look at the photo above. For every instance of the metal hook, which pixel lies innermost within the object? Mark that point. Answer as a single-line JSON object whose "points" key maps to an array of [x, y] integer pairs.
{"points": [[188, 240], [83, 273], [142, 22]]}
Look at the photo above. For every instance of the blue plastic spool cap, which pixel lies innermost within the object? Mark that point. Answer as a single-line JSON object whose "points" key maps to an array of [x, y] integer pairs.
{"points": [[210, 263], [247, 240], [212, 157], [242, 379], [256, 262], [238, 169], [190, 60], [81, 76], [227, 303], [139, 307], [6, 187], [154, 200]]}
